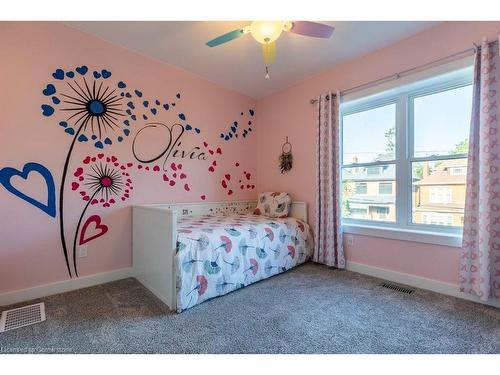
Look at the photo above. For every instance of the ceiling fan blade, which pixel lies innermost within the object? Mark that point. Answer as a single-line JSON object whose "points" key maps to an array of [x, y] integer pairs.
{"points": [[269, 52], [314, 29], [226, 37]]}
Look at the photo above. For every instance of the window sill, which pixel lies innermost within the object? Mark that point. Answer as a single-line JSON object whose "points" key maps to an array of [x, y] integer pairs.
{"points": [[435, 238]]}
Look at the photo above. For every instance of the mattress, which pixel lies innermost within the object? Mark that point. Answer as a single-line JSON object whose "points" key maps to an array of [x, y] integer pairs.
{"points": [[219, 254]]}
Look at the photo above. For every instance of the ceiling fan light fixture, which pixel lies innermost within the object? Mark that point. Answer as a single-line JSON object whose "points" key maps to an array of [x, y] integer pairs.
{"points": [[266, 31]]}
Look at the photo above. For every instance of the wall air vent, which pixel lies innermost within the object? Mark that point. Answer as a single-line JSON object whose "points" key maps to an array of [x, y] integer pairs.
{"points": [[22, 317], [397, 288]]}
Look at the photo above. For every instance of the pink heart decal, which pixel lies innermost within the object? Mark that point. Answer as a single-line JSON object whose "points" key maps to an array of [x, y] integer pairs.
{"points": [[78, 171], [75, 186], [86, 160], [219, 151], [203, 197], [228, 176]]}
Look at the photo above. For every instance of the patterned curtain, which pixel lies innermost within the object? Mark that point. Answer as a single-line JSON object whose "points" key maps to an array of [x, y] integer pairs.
{"points": [[480, 259], [328, 232]]}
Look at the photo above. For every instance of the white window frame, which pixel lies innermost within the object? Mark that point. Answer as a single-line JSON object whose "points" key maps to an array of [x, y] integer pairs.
{"points": [[403, 228]]}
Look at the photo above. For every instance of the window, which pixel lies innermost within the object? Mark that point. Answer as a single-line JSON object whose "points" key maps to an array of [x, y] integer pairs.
{"points": [[440, 194], [460, 171], [361, 188], [404, 155], [385, 188]]}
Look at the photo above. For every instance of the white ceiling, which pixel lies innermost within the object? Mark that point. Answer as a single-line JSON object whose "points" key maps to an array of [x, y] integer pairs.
{"points": [[238, 65]]}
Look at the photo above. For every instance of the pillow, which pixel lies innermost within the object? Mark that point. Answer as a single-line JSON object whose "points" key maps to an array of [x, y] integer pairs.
{"points": [[273, 204]]}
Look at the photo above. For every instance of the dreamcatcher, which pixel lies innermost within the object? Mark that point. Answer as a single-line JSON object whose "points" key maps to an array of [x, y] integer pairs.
{"points": [[286, 157]]}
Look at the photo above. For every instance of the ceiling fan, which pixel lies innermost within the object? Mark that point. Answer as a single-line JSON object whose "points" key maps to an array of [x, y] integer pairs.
{"points": [[267, 32]]}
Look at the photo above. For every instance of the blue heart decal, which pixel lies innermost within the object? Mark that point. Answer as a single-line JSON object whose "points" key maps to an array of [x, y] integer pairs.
{"points": [[157, 102], [97, 75], [49, 90], [128, 95], [153, 111], [70, 131], [126, 122], [138, 93], [122, 85], [82, 138], [133, 117], [144, 117], [64, 124], [126, 132], [108, 141], [7, 173], [178, 96], [131, 105], [70, 74], [182, 116], [145, 103], [120, 138], [55, 100], [188, 127], [251, 112], [58, 74], [47, 110], [82, 70], [98, 144], [105, 73], [166, 106]]}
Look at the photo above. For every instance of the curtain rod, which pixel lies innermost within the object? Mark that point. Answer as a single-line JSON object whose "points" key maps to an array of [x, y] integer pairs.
{"points": [[407, 71]]}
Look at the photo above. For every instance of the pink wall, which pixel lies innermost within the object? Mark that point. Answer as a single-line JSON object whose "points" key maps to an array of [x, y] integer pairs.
{"points": [[289, 113], [31, 252]]}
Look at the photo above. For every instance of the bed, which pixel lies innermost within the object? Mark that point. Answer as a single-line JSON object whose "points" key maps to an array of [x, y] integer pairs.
{"points": [[191, 252]]}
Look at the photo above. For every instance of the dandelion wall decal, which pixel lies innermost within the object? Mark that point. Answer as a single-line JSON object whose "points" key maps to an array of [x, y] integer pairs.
{"points": [[98, 108], [101, 180], [92, 109]]}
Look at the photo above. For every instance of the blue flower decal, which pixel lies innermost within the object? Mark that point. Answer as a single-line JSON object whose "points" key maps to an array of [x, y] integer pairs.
{"points": [[92, 107]]}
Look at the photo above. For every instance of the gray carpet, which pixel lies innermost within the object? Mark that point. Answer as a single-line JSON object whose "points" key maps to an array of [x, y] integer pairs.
{"points": [[311, 309]]}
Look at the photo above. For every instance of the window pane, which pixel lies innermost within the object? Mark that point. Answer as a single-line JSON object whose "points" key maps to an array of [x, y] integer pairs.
{"points": [[385, 188], [441, 122], [439, 192], [368, 193], [369, 136]]}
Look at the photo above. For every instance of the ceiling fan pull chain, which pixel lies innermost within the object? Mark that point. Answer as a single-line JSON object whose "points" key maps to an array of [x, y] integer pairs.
{"points": [[267, 73]]}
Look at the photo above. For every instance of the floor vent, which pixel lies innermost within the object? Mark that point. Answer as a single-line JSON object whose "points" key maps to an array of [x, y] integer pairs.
{"points": [[22, 317], [398, 288]]}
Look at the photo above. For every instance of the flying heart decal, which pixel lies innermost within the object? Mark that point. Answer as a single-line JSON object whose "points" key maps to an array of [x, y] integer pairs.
{"points": [[99, 230], [7, 173]]}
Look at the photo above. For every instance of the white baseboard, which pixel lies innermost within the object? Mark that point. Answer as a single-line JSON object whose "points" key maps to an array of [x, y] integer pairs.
{"points": [[63, 286], [415, 281]]}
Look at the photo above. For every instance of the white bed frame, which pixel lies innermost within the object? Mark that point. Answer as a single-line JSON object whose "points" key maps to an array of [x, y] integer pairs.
{"points": [[154, 237]]}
